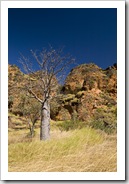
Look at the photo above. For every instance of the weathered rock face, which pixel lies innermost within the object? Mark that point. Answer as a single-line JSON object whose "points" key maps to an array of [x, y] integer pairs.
{"points": [[88, 88], [16, 79]]}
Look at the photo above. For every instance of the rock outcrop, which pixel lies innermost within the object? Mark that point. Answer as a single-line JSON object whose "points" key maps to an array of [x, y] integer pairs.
{"points": [[88, 88], [89, 92]]}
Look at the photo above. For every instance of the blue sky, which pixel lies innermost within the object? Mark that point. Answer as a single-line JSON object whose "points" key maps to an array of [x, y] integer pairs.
{"points": [[88, 34]]}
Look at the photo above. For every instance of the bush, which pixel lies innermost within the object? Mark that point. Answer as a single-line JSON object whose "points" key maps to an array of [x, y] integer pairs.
{"points": [[105, 120], [68, 97], [80, 94], [71, 125], [10, 102], [54, 108], [104, 126]]}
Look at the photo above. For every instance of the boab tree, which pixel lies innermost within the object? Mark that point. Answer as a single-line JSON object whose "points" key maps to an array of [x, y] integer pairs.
{"points": [[44, 69]]}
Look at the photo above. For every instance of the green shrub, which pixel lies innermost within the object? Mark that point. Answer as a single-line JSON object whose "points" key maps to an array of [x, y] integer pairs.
{"points": [[54, 108], [80, 94], [74, 101], [104, 126], [105, 120], [71, 125], [10, 102], [68, 97]]}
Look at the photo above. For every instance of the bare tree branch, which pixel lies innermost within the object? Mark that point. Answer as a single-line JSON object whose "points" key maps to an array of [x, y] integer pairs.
{"points": [[35, 96], [42, 85]]}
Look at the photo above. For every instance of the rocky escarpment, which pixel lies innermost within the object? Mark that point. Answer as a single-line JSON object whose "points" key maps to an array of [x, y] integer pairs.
{"points": [[16, 80], [89, 93], [87, 90]]}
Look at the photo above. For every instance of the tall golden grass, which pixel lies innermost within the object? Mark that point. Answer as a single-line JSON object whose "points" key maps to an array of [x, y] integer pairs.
{"points": [[84, 150]]}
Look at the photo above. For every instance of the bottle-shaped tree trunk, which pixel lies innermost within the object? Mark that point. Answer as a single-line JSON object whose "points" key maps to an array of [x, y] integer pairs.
{"points": [[45, 121]]}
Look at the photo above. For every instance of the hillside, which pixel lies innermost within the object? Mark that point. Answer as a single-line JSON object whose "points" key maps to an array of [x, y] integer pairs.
{"points": [[83, 123], [16, 79], [89, 94]]}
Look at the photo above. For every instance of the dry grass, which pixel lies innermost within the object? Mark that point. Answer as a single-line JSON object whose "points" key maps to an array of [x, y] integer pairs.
{"points": [[84, 150]]}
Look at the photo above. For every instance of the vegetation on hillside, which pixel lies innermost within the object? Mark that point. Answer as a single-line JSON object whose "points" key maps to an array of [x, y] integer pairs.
{"points": [[83, 123]]}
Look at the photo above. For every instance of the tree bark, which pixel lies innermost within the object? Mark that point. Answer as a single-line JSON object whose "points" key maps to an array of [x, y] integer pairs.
{"points": [[45, 121], [32, 131]]}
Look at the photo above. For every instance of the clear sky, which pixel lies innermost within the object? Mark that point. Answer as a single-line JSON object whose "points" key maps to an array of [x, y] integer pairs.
{"points": [[88, 34]]}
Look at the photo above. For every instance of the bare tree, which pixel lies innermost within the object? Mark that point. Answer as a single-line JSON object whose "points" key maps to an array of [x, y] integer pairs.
{"points": [[44, 70]]}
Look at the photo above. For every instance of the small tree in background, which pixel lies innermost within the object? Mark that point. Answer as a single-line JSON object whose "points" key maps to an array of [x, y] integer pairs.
{"points": [[30, 109], [44, 70]]}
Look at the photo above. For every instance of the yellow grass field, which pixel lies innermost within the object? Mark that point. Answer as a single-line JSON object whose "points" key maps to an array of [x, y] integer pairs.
{"points": [[81, 150]]}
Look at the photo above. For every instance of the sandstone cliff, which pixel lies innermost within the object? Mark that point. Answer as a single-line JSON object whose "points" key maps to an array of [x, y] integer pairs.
{"points": [[89, 93], [87, 90]]}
